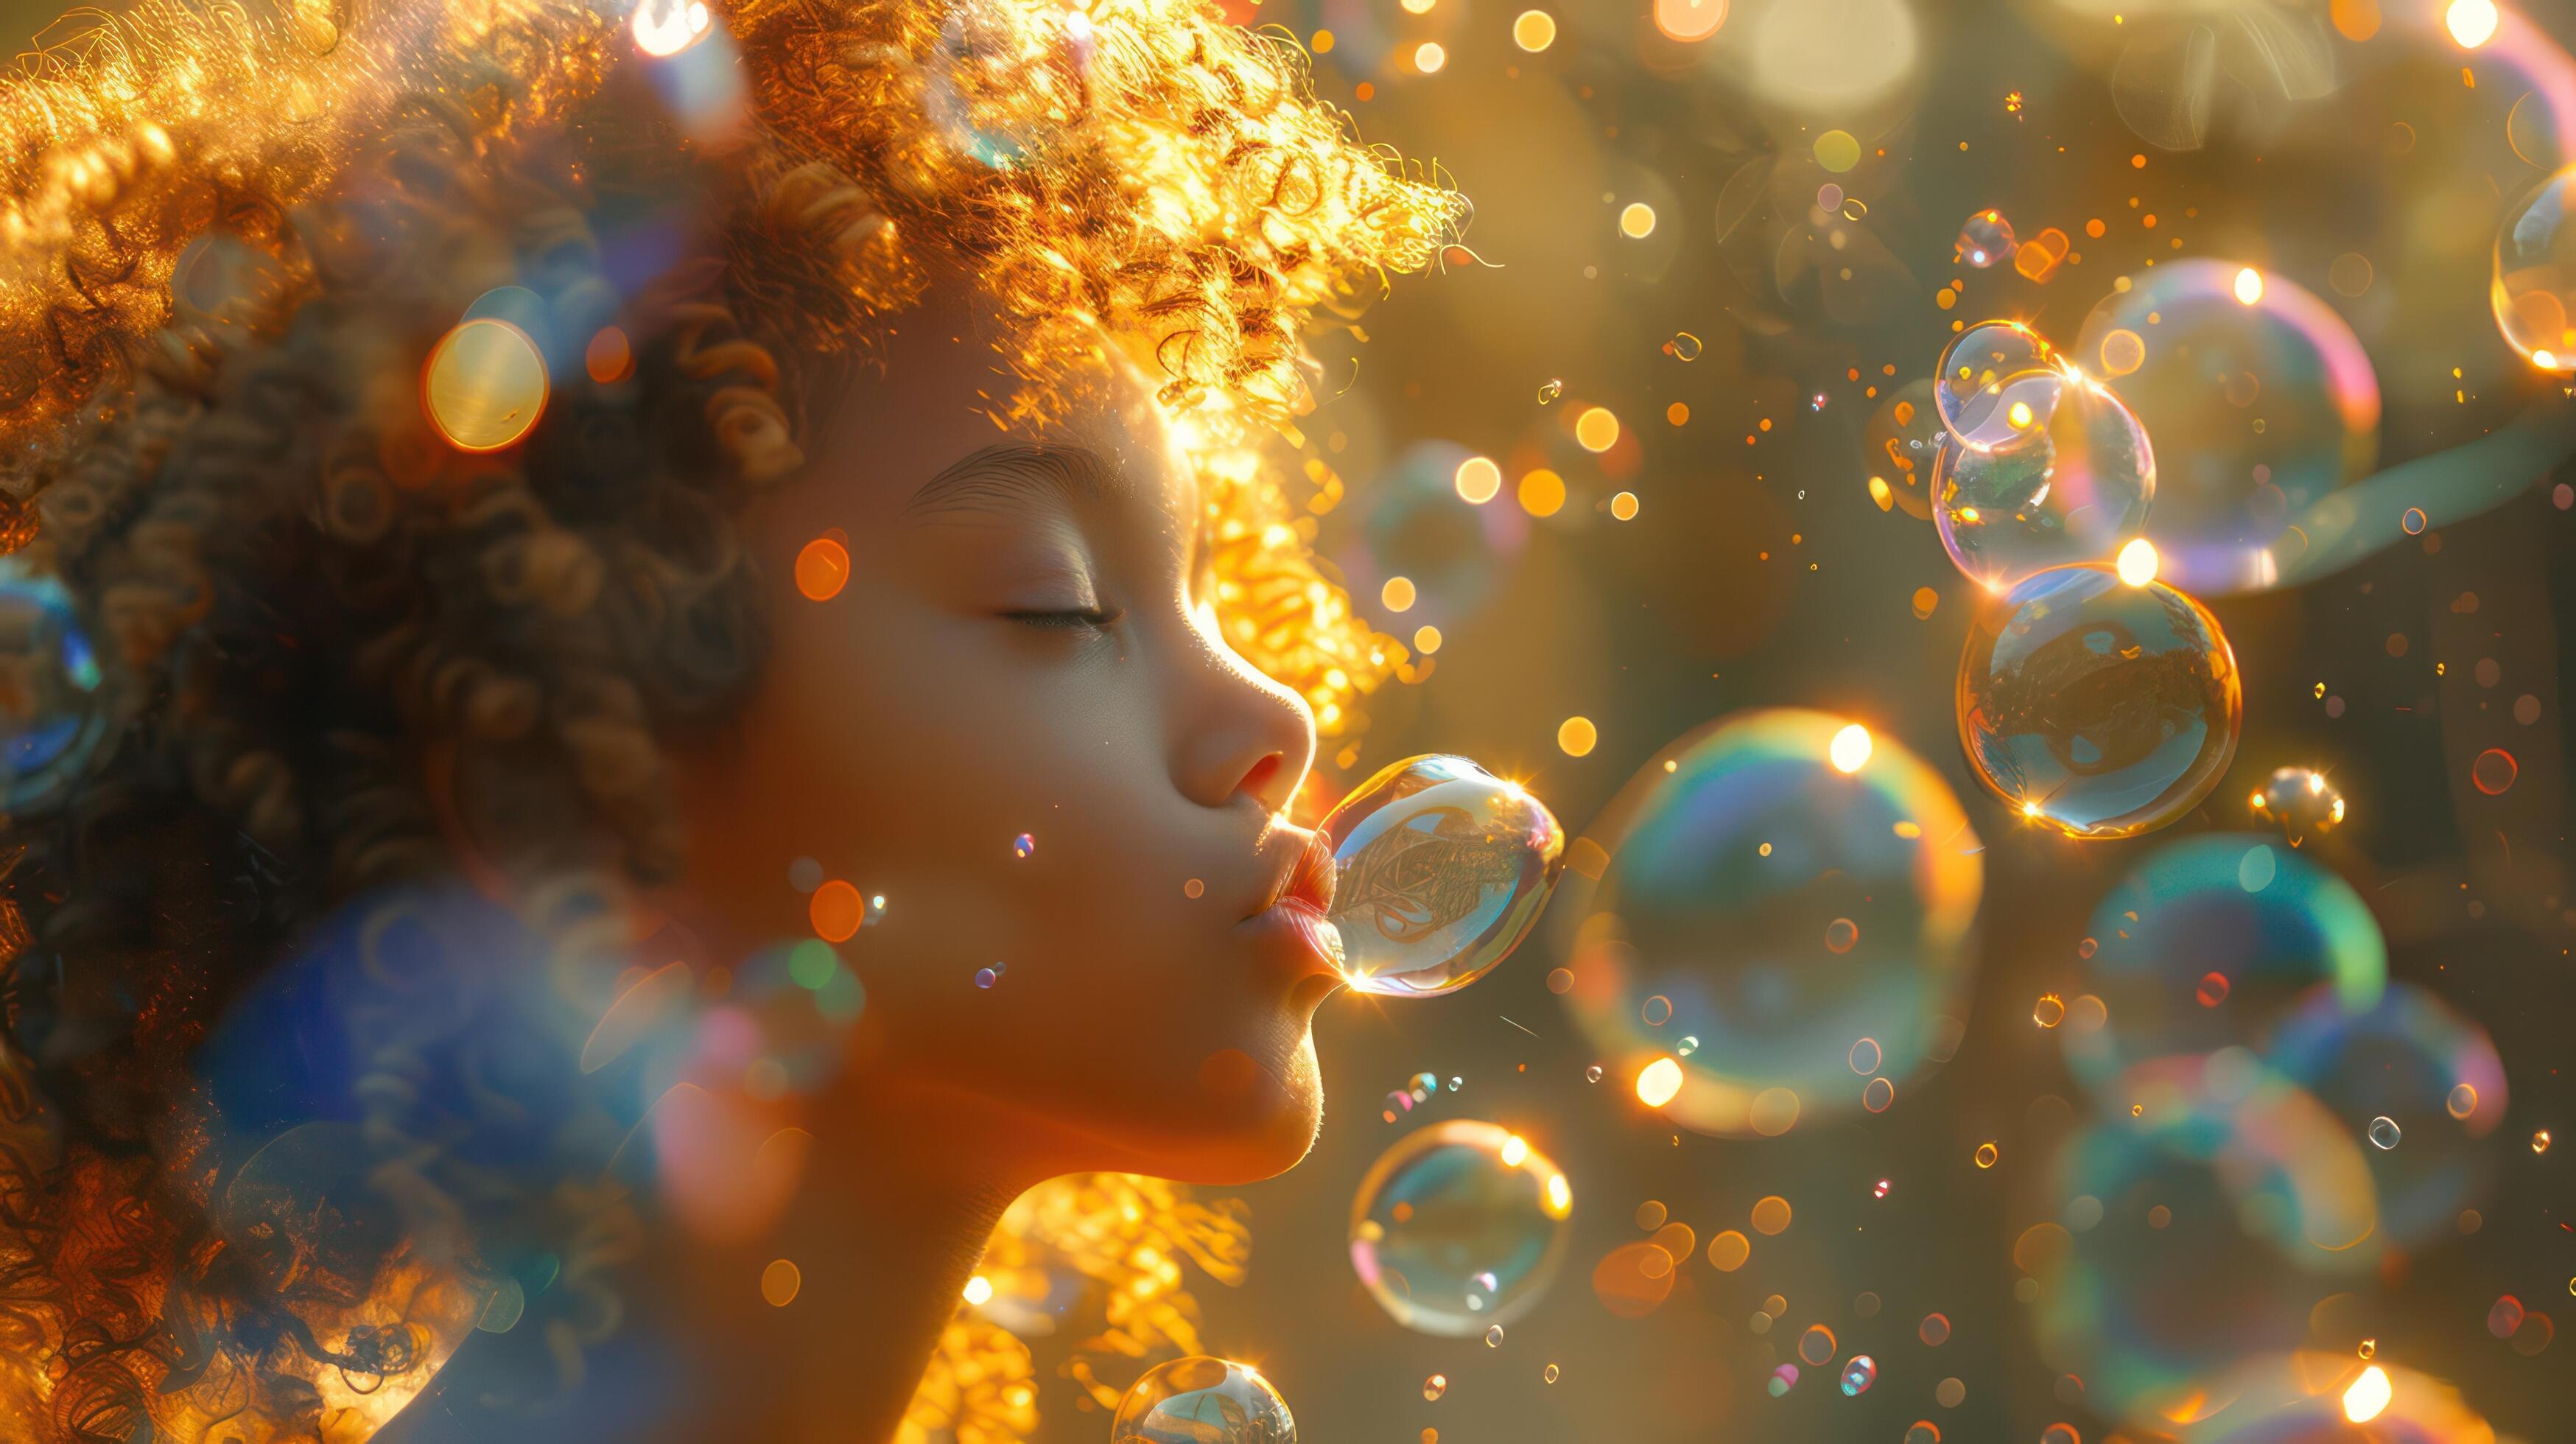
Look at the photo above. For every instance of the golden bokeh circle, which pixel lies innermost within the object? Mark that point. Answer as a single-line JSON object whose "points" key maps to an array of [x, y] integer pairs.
{"points": [[484, 385]]}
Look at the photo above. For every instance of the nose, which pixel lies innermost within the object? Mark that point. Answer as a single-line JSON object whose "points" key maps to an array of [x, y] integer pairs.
{"points": [[1243, 734]]}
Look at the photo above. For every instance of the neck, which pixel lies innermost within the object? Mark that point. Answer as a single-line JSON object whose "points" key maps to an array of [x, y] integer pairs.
{"points": [[884, 1232]]}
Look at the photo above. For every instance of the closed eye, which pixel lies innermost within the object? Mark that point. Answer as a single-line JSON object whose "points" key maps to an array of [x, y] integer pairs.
{"points": [[1091, 618]]}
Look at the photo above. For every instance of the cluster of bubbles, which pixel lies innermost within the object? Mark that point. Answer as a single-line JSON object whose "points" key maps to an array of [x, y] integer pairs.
{"points": [[1459, 1228], [1216, 1401], [2274, 1110], [1440, 869], [1795, 900], [2041, 465], [1417, 1091]]}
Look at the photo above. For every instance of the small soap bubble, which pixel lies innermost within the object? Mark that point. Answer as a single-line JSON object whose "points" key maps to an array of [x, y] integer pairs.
{"points": [[2494, 770], [1864, 1056], [1592, 1074], [1990, 369], [1686, 1047], [1840, 934], [1023, 845], [1858, 1375], [2384, 1132], [1657, 1011], [1549, 390], [2462, 1102], [2099, 708], [1435, 1386], [1458, 1227], [1200, 1398], [1986, 1155], [1441, 868], [1985, 238], [2300, 802], [1456, 1083], [2413, 521], [986, 977], [1877, 1094], [2049, 1011], [2068, 477], [1494, 1337], [1683, 347]]}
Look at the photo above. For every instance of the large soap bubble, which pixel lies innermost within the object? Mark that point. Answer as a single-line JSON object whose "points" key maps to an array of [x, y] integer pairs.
{"points": [[2269, 925], [50, 718], [1796, 896], [2259, 408], [2414, 1061], [2100, 708], [1440, 868], [1995, 378], [1203, 1401], [1459, 1227], [2534, 292], [2073, 481]]}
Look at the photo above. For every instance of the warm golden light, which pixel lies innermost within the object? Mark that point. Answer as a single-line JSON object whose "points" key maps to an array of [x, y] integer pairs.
{"points": [[484, 386], [1542, 493], [1624, 506], [1515, 1151], [1397, 594], [1429, 57], [2249, 286], [1850, 749], [2369, 1393], [1637, 220], [1479, 480], [2019, 416], [1534, 30], [667, 27], [2137, 562], [1576, 736], [979, 1290], [2471, 22], [1597, 429], [1688, 20], [1426, 639], [1660, 1083]]}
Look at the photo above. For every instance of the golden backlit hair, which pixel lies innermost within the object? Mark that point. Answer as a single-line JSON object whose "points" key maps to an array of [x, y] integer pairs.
{"points": [[1139, 170]]}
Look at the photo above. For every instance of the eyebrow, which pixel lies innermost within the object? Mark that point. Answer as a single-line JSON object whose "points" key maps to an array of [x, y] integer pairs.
{"points": [[1007, 475]]}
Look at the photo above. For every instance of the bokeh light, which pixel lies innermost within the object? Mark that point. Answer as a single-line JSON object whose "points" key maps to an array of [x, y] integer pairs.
{"points": [[484, 385]]}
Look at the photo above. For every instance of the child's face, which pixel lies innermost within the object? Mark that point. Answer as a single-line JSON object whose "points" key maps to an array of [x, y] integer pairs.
{"points": [[1025, 646]]}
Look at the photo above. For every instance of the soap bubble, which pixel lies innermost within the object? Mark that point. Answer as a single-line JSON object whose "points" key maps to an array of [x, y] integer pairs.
{"points": [[2301, 802], [1206, 1401], [2534, 292], [2186, 912], [2102, 709], [1990, 370], [50, 719], [1858, 1375], [2258, 412], [2384, 1132], [1899, 446], [1985, 238], [1440, 869], [2433, 1074], [2073, 484], [1725, 877], [1458, 1227], [1409, 524]]}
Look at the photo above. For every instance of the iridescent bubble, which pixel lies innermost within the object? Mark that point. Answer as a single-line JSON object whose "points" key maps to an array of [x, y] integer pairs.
{"points": [[1592, 1074], [1995, 372], [2099, 708], [1985, 238], [1858, 1375], [2258, 411], [2534, 290], [1865, 1057], [1458, 1227], [1494, 1337], [1724, 876], [2184, 913], [2073, 485], [986, 977], [1398, 1103], [1899, 446], [50, 718], [2434, 1075], [1205, 1401], [1023, 845], [1840, 935], [2300, 802], [1440, 870], [2384, 1132]]}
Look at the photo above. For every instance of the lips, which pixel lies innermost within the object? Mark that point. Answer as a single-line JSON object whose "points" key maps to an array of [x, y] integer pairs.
{"points": [[1298, 913]]}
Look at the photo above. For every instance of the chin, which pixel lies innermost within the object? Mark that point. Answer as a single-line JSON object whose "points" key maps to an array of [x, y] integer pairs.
{"points": [[1254, 1120]]}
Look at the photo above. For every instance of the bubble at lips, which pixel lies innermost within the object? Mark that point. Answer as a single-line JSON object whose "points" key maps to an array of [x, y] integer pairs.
{"points": [[1986, 238], [2535, 274], [1459, 1228], [1990, 369], [2300, 802], [1210, 1401], [2096, 707], [2072, 483], [50, 721], [1440, 869]]}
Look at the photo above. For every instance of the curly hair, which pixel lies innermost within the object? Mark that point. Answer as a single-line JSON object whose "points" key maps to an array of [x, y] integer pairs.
{"points": [[326, 633]]}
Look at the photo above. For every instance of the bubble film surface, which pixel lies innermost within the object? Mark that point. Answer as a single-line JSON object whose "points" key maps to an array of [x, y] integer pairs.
{"points": [[2071, 481], [1986, 373], [1726, 878], [2534, 293], [1459, 1227], [2096, 707], [1203, 1401], [1440, 870], [2259, 410]]}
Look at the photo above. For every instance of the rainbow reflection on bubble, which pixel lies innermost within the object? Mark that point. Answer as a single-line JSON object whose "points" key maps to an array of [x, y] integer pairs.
{"points": [[2201, 1221], [2074, 481], [1459, 1227], [1786, 910], [2414, 1060], [2258, 410], [2264, 918]]}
